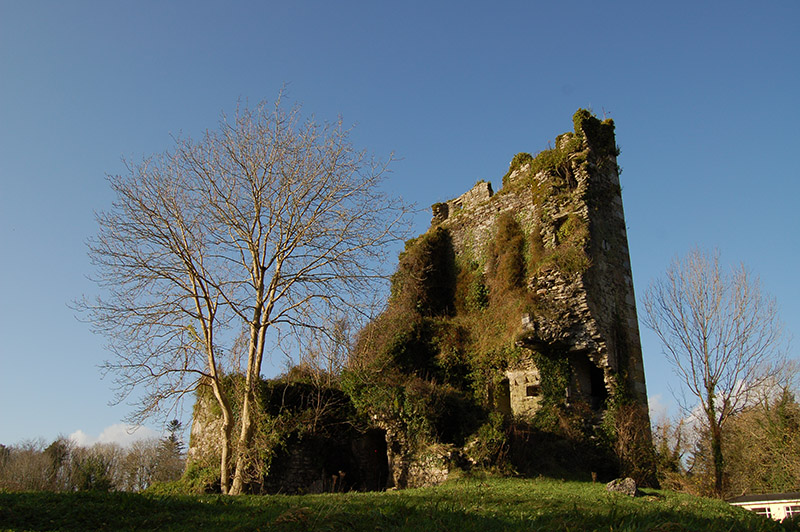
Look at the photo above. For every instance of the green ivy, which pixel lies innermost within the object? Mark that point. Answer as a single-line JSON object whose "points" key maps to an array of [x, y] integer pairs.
{"points": [[490, 443], [554, 375], [517, 162], [478, 295], [425, 278], [599, 135]]}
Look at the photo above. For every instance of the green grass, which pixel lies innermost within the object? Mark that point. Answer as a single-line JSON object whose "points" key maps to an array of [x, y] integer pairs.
{"points": [[463, 505]]}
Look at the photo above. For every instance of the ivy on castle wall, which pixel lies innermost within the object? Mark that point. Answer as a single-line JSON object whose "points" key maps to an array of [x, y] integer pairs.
{"points": [[455, 319], [424, 282], [450, 326], [599, 134], [506, 256], [287, 409], [561, 161]]}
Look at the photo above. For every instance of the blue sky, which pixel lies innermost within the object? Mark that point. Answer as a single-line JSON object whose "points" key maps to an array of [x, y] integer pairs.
{"points": [[703, 95]]}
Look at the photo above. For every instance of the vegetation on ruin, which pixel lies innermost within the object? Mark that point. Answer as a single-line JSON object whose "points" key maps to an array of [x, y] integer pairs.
{"points": [[560, 162], [483, 504], [517, 162], [288, 409], [551, 178], [451, 329]]}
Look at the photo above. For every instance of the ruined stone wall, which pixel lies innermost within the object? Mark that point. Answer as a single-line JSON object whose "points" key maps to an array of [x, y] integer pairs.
{"points": [[205, 446], [471, 226], [524, 390], [609, 282], [592, 315], [337, 456], [338, 460]]}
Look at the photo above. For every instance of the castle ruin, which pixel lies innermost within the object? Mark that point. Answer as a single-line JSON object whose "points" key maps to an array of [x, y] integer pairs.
{"points": [[511, 318]]}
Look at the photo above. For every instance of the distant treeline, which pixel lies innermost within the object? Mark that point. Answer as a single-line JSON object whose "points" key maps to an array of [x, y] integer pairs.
{"points": [[64, 466]]}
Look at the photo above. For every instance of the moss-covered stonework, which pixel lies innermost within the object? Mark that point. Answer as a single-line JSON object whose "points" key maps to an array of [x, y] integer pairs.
{"points": [[510, 339], [568, 198]]}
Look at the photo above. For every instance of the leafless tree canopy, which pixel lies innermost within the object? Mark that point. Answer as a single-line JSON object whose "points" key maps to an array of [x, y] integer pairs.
{"points": [[264, 226], [720, 332]]}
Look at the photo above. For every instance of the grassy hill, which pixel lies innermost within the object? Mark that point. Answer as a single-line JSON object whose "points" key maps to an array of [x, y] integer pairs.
{"points": [[479, 504]]}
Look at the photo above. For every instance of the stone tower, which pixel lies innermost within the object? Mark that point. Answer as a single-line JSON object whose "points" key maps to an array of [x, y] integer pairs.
{"points": [[586, 286]]}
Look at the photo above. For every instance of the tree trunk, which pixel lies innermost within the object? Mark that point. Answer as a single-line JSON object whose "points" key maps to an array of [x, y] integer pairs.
{"points": [[257, 333], [719, 463], [226, 431], [224, 463], [244, 444], [715, 431]]}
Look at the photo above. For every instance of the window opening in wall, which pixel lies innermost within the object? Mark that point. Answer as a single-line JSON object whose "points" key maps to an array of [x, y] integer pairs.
{"points": [[503, 400], [533, 390], [763, 510], [598, 384]]}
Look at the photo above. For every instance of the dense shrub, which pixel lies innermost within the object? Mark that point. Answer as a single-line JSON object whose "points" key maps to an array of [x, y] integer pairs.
{"points": [[506, 257], [489, 446]]}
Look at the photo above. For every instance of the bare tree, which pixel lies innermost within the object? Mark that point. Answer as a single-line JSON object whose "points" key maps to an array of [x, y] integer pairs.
{"points": [[722, 335], [25, 467], [264, 225], [140, 466], [161, 308]]}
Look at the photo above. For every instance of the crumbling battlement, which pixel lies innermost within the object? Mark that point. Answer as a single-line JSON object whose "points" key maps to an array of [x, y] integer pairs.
{"points": [[481, 192]]}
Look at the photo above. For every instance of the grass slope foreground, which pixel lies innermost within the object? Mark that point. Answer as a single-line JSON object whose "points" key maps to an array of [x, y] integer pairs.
{"points": [[463, 505]]}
